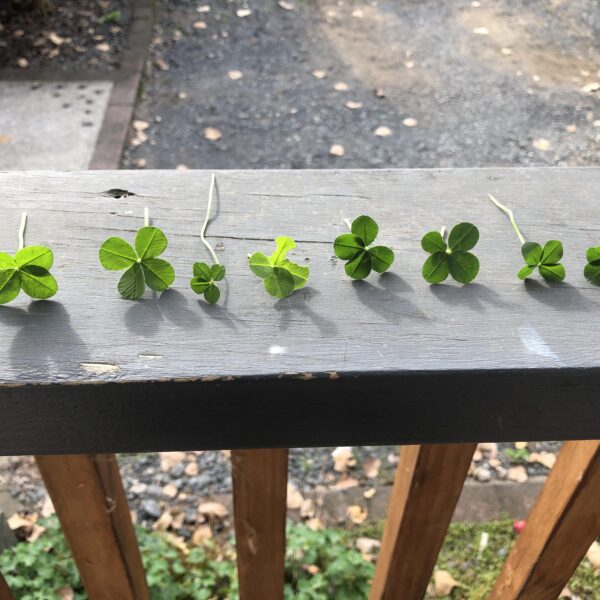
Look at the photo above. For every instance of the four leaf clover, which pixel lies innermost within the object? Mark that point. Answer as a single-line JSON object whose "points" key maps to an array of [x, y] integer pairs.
{"points": [[592, 269], [453, 257], [545, 259], [203, 281], [28, 270], [143, 268], [354, 248], [280, 276]]}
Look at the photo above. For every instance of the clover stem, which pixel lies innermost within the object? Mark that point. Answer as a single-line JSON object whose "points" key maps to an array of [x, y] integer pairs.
{"points": [[22, 230], [146, 217], [510, 215], [347, 221], [211, 191]]}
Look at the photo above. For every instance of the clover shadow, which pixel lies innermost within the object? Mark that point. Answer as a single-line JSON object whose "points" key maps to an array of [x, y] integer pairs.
{"points": [[45, 339], [300, 301], [473, 295], [145, 316], [561, 296], [387, 300]]}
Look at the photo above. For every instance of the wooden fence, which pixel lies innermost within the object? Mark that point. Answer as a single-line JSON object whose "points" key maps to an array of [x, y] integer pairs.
{"points": [[387, 361]]}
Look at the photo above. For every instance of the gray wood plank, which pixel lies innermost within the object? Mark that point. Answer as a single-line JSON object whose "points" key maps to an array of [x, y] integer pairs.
{"points": [[388, 341]]}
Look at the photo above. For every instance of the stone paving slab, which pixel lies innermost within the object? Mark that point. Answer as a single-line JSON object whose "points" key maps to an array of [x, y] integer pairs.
{"points": [[50, 125]]}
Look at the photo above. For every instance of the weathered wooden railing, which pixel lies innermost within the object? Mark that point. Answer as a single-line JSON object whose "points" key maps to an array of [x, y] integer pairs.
{"points": [[445, 366]]}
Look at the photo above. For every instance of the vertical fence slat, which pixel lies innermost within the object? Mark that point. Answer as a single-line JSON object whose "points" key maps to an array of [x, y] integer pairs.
{"points": [[5, 593], [95, 521], [259, 505], [560, 528], [428, 483]]}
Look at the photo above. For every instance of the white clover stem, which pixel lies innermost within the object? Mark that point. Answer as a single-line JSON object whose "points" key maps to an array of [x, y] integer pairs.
{"points": [[146, 217], [510, 215], [211, 191], [347, 221], [22, 230]]}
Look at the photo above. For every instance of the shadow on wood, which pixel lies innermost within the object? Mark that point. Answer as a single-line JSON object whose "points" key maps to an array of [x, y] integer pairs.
{"points": [[560, 528], [90, 503], [259, 505], [428, 483]]}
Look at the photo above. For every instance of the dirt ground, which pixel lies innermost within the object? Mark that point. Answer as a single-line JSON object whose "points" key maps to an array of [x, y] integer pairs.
{"points": [[420, 83]]}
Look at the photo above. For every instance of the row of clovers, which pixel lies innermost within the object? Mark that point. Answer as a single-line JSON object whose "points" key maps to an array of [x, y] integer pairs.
{"points": [[449, 255]]}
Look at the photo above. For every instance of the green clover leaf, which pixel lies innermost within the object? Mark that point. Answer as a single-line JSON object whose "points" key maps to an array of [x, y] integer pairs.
{"points": [[546, 260], [452, 258], [592, 269], [203, 281], [354, 248], [28, 270], [280, 276], [142, 267]]}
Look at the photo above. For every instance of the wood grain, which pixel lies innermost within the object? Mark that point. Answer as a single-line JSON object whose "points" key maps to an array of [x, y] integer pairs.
{"points": [[428, 483], [5, 593], [95, 521], [259, 503], [492, 360], [560, 528]]}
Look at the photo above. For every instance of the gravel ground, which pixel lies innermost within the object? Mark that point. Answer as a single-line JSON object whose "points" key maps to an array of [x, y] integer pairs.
{"points": [[456, 84], [79, 35]]}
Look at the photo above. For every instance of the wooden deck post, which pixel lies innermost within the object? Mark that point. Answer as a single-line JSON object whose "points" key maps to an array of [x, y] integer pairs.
{"points": [[259, 505], [428, 483], [5, 593], [560, 528], [90, 503]]}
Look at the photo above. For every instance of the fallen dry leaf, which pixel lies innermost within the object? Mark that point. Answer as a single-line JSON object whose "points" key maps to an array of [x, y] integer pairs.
{"points": [[358, 13], [36, 533], [163, 522], [182, 167], [517, 473], [368, 494], [5, 138], [199, 25], [343, 459], [103, 47], [308, 508], [201, 534], [66, 593], [191, 469], [353, 105], [566, 593], [591, 87], [139, 125], [477, 455], [543, 458], [337, 150], [409, 64], [506, 51], [47, 508], [56, 39], [212, 134], [18, 522], [203, 9], [357, 514], [22, 62], [311, 569], [243, 12], [345, 483], [169, 459], [371, 467], [170, 490], [294, 497], [341, 86], [383, 131], [286, 5], [315, 524], [489, 449], [593, 555], [444, 583], [367, 545], [409, 122], [161, 64], [571, 128], [319, 74], [542, 144], [481, 31], [213, 509], [521, 445], [596, 123], [140, 163], [235, 75]]}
